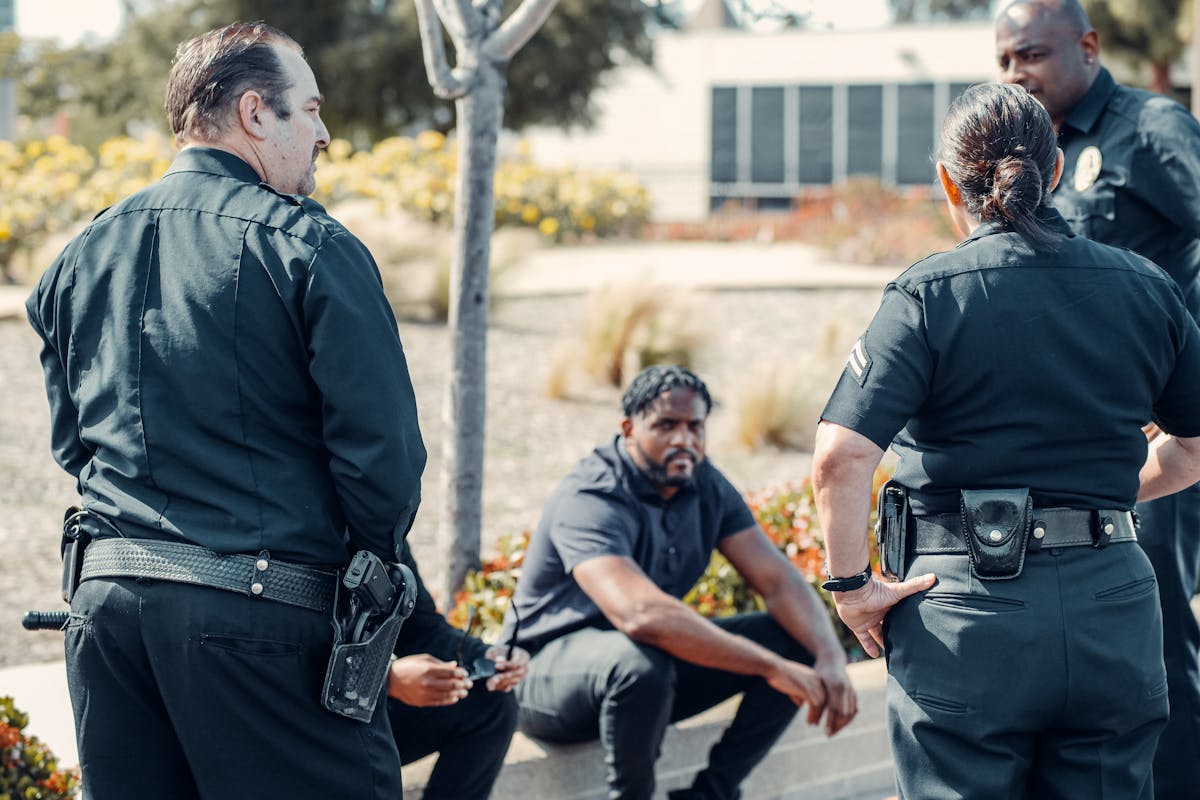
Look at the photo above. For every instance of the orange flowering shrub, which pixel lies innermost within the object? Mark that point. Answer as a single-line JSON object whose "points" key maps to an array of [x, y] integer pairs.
{"points": [[787, 514], [28, 770]]}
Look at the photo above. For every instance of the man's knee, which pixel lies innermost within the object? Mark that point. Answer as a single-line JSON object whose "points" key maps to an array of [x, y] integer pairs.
{"points": [[641, 670]]}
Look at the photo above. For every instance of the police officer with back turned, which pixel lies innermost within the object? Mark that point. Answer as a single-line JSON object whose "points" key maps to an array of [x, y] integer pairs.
{"points": [[227, 384], [1013, 376]]}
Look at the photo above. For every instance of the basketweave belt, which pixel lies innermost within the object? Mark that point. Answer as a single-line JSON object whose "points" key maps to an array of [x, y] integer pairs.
{"points": [[253, 576], [942, 534]]}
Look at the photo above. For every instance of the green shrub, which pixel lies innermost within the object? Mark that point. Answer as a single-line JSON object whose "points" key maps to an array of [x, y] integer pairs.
{"points": [[787, 514], [28, 770]]}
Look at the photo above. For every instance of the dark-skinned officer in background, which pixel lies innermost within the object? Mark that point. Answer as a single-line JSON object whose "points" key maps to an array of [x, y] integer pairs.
{"points": [[1131, 179], [1027, 359], [227, 384]]}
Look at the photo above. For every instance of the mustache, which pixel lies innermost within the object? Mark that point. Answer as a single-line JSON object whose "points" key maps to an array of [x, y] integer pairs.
{"points": [[681, 451]]}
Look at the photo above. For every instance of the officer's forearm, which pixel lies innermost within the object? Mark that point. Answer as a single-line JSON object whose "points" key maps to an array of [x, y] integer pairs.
{"points": [[844, 465], [1172, 464]]}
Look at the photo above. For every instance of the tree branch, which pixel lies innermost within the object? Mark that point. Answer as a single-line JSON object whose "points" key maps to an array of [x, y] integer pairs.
{"points": [[457, 16], [446, 83], [518, 29]]}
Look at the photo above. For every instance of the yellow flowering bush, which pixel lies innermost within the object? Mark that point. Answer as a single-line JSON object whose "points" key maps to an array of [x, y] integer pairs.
{"points": [[417, 175], [50, 185]]}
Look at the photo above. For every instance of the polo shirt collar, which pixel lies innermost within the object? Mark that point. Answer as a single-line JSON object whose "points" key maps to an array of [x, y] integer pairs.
{"points": [[1047, 214], [213, 161], [1091, 106]]}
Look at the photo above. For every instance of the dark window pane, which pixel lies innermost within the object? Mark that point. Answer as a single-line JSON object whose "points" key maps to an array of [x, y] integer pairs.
{"points": [[865, 130], [816, 134], [724, 134], [766, 134], [915, 135]]}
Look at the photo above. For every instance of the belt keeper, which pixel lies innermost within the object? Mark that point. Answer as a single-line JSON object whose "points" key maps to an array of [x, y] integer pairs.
{"points": [[261, 565], [1103, 532], [1039, 534]]}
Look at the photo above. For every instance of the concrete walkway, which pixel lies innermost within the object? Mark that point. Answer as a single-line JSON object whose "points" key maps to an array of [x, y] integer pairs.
{"points": [[700, 265]]}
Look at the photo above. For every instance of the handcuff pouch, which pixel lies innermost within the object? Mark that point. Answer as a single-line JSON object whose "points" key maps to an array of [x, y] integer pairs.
{"points": [[996, 525]]}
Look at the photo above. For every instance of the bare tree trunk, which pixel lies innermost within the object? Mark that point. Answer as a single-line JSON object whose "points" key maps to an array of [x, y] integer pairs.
{"points": [[464, 405]]}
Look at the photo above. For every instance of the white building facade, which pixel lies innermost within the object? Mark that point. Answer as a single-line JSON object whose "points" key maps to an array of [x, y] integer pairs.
{"points": [[730, 115]]}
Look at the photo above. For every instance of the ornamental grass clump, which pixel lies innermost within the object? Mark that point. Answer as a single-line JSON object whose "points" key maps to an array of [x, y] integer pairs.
{"points": [[28, 770]]}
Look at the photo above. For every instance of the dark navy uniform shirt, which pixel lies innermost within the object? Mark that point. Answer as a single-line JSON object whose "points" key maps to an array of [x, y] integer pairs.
{"points": [[607, 507], [223, 369], [1132, 178], [994, 366]]}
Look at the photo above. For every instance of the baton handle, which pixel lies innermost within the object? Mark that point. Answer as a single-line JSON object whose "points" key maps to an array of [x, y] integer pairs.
{"points": [[44, 620]]}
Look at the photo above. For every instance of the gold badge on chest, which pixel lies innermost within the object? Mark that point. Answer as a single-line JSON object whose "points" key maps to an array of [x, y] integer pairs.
{"points": [[1087, 168]]}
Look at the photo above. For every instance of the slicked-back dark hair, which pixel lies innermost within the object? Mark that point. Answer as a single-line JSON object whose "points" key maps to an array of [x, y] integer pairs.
{"points": [[212, 71], [999, 147], [653, 381]]}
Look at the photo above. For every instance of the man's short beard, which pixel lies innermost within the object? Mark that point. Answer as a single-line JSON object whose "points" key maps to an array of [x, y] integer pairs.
{"points": [[657, 473]]}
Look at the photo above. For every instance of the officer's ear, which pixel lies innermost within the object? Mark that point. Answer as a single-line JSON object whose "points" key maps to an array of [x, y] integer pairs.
{"points": [[1059, 160], [1090, 44], [626, 427], [250, 109], [953, 196]]}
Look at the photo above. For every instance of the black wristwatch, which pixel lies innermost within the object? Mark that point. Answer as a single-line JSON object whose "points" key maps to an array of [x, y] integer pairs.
{"points": [[848, 584]]}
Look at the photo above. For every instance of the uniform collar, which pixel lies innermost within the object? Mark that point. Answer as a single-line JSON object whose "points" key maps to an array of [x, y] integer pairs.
{"points": [[212, 161], [1089, 108], [1047, 214]]}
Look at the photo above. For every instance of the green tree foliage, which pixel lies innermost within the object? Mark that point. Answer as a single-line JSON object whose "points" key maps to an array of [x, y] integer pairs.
{"points": [[366, 54], [927, 10], [1153, 32]]}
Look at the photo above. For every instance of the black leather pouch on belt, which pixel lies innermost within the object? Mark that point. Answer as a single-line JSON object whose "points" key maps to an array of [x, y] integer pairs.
{"points": [[996, 524], [891, 527], [364, 637]]}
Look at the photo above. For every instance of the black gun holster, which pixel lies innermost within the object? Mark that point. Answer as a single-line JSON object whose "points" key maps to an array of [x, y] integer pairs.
{"points": [[358, 665], [79, 528]]}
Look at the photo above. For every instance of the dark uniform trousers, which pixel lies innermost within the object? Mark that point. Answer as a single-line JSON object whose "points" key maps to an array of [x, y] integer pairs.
{"points": [[1044, 687], [186, 692], [1170, 535], [602, 683], [470, 737]]}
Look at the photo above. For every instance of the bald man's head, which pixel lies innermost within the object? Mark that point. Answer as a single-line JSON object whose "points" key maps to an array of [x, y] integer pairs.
{"points": [[1050, 48]]}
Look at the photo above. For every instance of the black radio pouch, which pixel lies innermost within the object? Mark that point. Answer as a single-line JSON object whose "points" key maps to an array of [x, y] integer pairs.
{"points": [[358, 665], [891, 527], [996, 525]]}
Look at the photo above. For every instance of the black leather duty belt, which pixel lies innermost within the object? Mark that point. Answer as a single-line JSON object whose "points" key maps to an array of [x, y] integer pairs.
{"points": [[939, 534], [253, 576]]}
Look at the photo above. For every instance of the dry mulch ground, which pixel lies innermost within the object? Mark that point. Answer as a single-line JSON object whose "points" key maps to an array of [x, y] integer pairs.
{"points": [[532, 440]]}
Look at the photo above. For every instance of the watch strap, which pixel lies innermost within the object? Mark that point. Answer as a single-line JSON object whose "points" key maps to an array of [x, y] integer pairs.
{"points": [[848, 584]]}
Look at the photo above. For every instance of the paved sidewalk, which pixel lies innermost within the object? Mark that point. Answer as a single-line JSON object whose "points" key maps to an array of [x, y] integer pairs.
{"points": [[701, 265]]}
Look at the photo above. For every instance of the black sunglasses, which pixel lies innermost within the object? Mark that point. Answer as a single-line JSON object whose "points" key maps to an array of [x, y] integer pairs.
{"points": [[484, 667]]}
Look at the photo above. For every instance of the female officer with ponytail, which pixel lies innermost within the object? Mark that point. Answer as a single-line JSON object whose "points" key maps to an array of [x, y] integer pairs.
{"points": [[1013, 376]]}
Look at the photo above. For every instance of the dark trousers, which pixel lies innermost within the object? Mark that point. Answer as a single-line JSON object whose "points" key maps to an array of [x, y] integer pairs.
{"points": [[470, 737], [1045, 687], [1170, 535], [602, 683], [184, 692]]}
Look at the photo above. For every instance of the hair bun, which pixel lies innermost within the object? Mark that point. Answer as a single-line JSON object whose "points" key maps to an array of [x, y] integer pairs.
{"points": [[1016, 187]]}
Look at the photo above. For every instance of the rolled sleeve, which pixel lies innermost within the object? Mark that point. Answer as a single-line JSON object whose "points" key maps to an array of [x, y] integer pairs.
{"points": [[369, 410]]}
